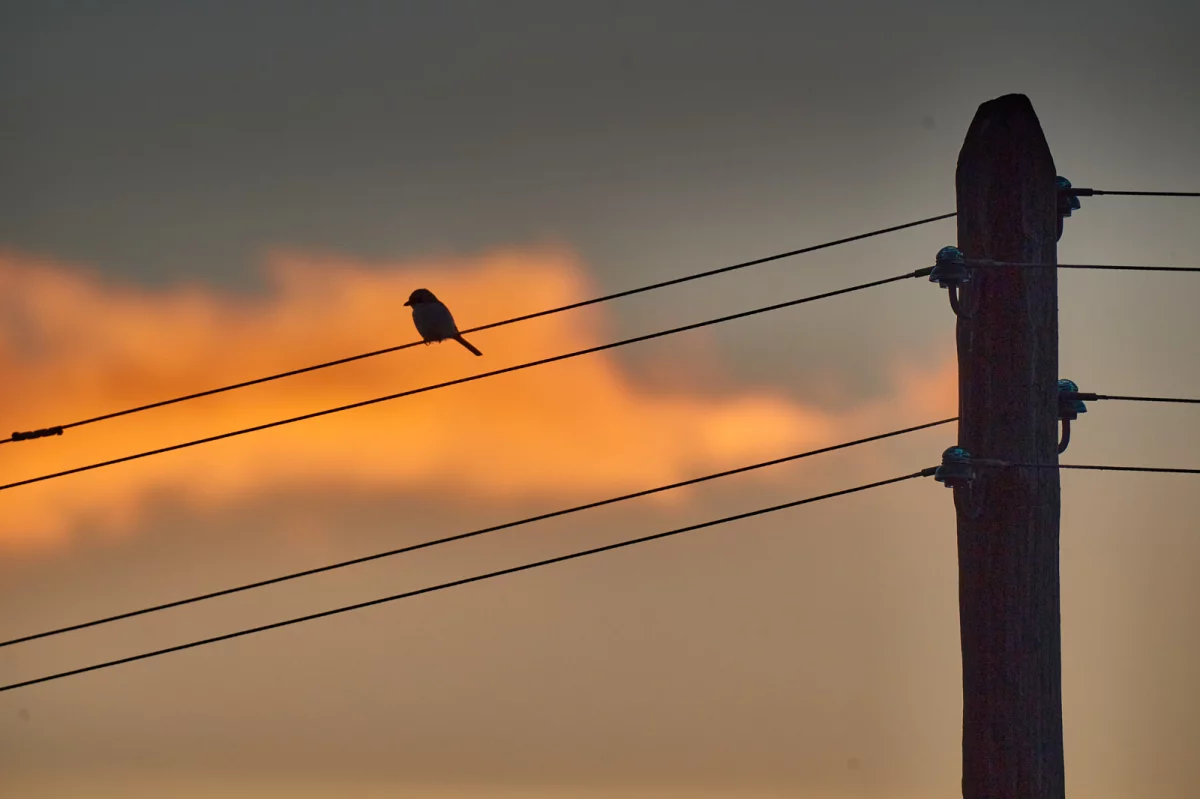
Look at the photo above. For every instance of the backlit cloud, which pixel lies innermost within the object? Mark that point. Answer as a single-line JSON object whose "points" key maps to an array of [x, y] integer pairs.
{"points": [[73, 345]]}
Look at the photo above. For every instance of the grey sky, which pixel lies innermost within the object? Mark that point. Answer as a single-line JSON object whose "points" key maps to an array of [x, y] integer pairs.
{"points": [[177, 142]]}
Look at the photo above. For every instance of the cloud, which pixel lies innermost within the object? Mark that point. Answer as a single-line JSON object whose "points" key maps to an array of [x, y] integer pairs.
{"points": [[74, 344]]}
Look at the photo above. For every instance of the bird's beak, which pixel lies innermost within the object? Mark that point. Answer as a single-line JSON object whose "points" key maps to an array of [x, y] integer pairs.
{"points": [[408, 302]]}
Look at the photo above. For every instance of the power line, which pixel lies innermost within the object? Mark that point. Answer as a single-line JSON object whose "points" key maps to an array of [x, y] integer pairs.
{"points": [[1107, 468], [1089, 397], [1116, 267], [58, 429], [477, 578], [1123, 268], [1151, 469], [469, 379], [471, 534], [1099, 192]]}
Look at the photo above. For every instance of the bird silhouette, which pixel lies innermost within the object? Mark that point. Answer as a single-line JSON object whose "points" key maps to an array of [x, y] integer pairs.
{"points": [[433, 319]]}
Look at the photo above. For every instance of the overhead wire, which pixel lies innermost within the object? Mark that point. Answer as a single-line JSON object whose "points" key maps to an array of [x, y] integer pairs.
{"points": [[1100, 192], [1088, 396], [1003, 464], [472, 534], [1153, 469], [59, 429], [469, 378], [987, 263], [464, 581]]}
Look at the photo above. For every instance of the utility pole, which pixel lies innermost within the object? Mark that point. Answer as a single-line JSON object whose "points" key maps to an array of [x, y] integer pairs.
{"points": [[1008, 517]]}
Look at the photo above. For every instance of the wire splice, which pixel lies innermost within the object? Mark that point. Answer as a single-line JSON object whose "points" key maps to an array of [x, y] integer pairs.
{"points": [[43, 433]]}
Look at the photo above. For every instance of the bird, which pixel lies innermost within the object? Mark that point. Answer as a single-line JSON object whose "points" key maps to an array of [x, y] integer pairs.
{"points": [[433, 319]]}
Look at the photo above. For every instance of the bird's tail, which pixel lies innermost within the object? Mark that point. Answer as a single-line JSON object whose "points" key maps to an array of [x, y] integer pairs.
{"points": [[467, 344]]}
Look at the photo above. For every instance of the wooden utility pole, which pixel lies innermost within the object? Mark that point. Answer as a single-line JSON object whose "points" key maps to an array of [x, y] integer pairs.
{"points": [[1008, 517]]}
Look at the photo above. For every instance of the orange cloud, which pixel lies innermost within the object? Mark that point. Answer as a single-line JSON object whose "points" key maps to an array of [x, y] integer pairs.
{"points": [[74, 345]]}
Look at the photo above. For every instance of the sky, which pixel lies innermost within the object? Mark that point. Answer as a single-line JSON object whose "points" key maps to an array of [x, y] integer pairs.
{"points": [[196, 194]]}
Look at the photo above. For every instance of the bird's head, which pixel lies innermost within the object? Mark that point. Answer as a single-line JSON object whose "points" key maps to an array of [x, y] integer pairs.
{"points": [[420, 297]]}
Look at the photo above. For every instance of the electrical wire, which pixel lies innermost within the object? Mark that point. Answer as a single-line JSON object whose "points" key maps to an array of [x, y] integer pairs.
{"points": [[477, 578], [1100, 192], [1158, 469], [1115, 267], [1090, 397], [468, 379], [1002, 464], [58, 429], [1123, 268], [461, 536]]}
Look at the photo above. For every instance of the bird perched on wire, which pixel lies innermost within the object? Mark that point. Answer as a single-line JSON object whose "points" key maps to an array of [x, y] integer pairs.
{"points": [[433, 319]]}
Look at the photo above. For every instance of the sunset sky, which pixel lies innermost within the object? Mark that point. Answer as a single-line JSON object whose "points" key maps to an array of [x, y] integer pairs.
{"points": [[194, 194]]}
